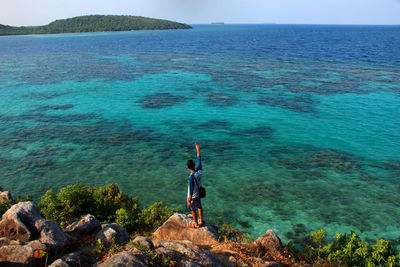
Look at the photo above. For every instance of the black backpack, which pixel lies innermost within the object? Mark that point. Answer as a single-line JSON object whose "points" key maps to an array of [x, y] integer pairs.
{"points": [[202, 190]]}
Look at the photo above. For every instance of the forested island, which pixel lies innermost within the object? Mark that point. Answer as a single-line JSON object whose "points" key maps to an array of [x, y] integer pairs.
{"points": [[95, 23]]}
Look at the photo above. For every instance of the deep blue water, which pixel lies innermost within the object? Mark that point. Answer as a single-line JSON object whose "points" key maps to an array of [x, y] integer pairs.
{"points": [[298, 124]]}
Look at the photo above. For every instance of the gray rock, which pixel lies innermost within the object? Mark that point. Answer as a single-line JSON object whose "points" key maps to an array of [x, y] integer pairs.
{"points": [[4, 241], [172, 254], [226, 256], [18, 221], [144, 241], [14, 255], [179, 258], [23, 222], [177, 227], [272, 264], [74, 259], [270, 241], [183, 254], [127, 258], [52, 235], [85, 226], [112, 233], [36, 244]]}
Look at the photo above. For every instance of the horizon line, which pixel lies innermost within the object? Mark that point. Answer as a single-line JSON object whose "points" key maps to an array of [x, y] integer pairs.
{"points": [[273, 23]]}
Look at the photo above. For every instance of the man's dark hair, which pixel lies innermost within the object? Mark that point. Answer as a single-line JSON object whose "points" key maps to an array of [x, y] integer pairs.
{"points": [[190, 164]]}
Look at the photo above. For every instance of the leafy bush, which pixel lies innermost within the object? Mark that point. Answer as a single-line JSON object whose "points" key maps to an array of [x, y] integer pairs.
{"points": [[350, 250], [68, 205], [107, 203], [152, 217], [5, 204], [127, 219]]}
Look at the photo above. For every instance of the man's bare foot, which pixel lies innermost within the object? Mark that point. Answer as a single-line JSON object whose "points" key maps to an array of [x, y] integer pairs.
{"points": [[194, 225], [202, 223]]}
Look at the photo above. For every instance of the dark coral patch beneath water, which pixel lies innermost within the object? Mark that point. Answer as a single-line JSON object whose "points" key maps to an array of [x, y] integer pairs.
{"points": [[39, 117], [220, 99], [43, 95], [77, 67], [310, 158], [302, 104], [214, 125], [213, 147], [55, 107], [161, 100], [101, 133], [263, 132]]}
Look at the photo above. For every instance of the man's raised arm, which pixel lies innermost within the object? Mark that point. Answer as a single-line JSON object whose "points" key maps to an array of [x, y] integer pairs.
{"points": [[199, 167]]}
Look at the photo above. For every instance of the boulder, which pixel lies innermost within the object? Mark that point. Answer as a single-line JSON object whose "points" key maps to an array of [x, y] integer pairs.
{"points": [[127, 258], [272, 264], [176, 257], [18, 221], [36, 244], [226, 256], [4, 241], [52, 235], [177, 227], [16, 255], [144, 241], [23, 222], [85, 226], [182, 253], [112, 233], [172, 254], [190, 244], [74, 259], [269, 241]]}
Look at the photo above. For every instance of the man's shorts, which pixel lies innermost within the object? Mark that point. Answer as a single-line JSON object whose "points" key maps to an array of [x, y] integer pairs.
{"points": [[195, 204]]}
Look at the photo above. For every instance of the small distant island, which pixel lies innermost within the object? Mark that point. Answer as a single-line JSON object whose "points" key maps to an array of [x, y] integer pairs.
{"points": [[95, 23]]}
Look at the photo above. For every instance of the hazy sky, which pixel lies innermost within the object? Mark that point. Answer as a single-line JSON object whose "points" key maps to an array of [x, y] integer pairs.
{"points": [[39, 12]]}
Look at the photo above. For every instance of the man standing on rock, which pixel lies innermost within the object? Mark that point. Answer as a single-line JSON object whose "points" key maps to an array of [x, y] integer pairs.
{"points": [[194, 201]]}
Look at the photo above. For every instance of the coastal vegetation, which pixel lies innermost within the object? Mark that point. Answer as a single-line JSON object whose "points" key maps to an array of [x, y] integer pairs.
{"points": [[109, 204], [95, 23]]}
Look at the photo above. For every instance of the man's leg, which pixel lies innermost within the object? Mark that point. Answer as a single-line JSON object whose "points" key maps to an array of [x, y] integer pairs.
{"points": [[201, 216], [196, 225]]}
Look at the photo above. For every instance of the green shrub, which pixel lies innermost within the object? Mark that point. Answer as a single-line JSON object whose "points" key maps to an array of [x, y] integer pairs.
{"points": [[127, 219], [70, 204], [152, 217], [5, 204], [107, 203], [108, 199], [383, 253], [350, 250]]}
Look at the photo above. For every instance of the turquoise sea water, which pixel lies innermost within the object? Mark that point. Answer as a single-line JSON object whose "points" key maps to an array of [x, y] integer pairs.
{"points": [[298, 125]]}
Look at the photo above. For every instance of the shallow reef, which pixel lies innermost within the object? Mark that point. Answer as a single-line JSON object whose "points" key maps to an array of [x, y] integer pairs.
{"points": [[220, 99], [260, 132], [41, 117], [303, 104], [55, 107], [161, 100], [309, 158], [214, 125]]}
